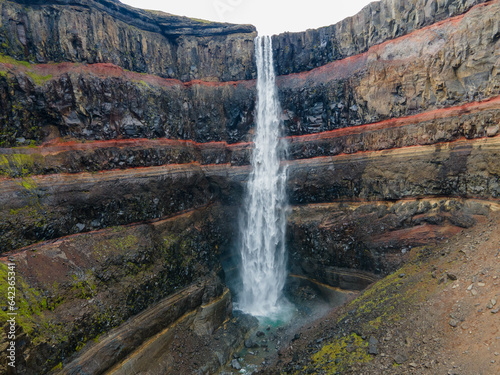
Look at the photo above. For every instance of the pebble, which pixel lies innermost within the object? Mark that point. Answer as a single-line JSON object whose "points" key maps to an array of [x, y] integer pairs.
{"points": [[473, 292], [250, 343], [235, 364], [413, 364], [453, 322], [400, 358], [481, 284], [470, 286], [451, 276], [494, 311], [372, 345]]}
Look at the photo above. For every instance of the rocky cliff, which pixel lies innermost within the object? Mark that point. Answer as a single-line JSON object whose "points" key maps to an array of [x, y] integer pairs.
{"points": [[125, 138], [107, 31], [376, 23]]}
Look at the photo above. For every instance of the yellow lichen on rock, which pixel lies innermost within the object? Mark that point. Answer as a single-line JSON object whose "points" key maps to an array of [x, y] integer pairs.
{"points": [[339, 355]]}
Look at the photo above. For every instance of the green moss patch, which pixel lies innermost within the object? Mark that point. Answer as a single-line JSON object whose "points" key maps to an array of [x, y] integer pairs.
{"points": [[16, 165], [4, 59], [388, 298], [200, 20], [29, 301], [38, 78]]}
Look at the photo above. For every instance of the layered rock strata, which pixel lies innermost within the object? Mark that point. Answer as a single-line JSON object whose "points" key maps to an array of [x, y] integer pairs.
{"points": [[329, 240], [40, 207], [107, 31], [78, 287], [444, 65], [374, 24], [120, 190]]}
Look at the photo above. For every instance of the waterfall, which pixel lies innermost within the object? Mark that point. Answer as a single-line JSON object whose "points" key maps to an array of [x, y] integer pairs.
{"points": [[262, 228]]}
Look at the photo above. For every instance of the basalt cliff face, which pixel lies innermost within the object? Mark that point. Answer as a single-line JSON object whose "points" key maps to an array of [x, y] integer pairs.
{"points": [[125, 138]]}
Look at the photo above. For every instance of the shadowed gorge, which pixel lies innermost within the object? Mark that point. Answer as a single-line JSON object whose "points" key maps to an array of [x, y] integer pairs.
{"points": [[126, 141]]}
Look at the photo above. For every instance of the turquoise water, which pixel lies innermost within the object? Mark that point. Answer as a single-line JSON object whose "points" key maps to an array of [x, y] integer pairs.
{"points": [[277, 330]]}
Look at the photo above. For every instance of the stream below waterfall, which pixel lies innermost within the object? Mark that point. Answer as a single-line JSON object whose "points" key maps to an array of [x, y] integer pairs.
{"points": [[309, 301]]}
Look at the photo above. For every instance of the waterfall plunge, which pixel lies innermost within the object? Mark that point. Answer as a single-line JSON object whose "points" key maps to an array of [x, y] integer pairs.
{"points": [[262, 228]]}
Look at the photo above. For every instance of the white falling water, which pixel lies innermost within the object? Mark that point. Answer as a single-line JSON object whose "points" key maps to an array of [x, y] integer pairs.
{"points": [[263, 223]]}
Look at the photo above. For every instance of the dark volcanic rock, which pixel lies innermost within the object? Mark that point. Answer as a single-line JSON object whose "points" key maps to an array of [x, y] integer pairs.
{"points": [[106, 31], [104, 102], [377, 22], [372, 346], [419, 72], [84, 285], [334, 242]]}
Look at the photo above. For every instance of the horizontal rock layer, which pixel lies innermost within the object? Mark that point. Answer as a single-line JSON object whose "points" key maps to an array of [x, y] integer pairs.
{"points": [[106, 31], [450, 63], [75, 288], [444, 65], [41, 207], [376, 23], [328, 240], [102, 101], [469, 121]]}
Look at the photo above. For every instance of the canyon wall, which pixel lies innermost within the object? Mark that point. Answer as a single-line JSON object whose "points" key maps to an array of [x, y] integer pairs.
{"points": [[376, 23], [125, 141], [107, 31]]}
